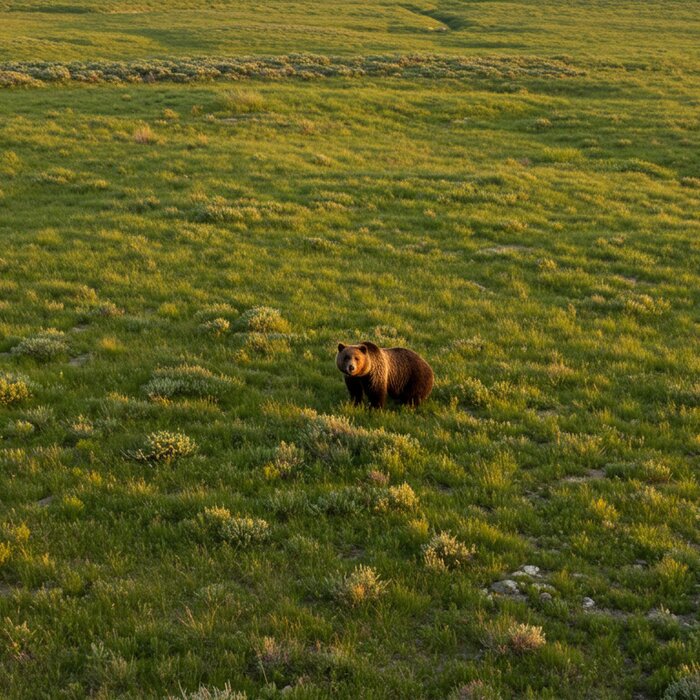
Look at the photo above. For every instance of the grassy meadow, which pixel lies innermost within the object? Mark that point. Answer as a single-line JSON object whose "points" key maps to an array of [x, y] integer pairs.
{"points": [[199, 200]]}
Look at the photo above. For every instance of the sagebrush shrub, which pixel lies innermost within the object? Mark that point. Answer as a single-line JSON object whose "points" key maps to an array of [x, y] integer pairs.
{"points": [[686, 688], [523, 638], [216, 327], [263, 319], [359, 586], [13, 389], [288, 459], [334, 439], [106, 309], [187, 380], [240, 101], [238, 531], [205, 693], [474, 690], [40, 416], [398, 498], [445, 552], [164, 446], [44, 346], [20, 428]]}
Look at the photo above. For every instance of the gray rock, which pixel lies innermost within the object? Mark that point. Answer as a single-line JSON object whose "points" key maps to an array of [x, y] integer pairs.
{"points": [[588, 603], [505, 587], [545, 597], [531, 569]]}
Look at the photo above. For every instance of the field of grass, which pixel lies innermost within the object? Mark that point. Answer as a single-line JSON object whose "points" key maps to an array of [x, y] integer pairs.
{"points": [[189, 506]]}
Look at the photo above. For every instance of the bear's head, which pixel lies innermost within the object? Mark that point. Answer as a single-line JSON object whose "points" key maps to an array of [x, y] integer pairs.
{"points": [[353, 360]]}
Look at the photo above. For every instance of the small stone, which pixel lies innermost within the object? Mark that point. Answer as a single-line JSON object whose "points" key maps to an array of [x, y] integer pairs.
{"points": [[531, 569], [588, 603], [545, 597], [46, 501], [505, 587]]}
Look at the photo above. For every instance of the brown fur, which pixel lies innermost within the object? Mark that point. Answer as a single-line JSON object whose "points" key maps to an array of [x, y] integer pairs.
{"points": [[380, 372]]}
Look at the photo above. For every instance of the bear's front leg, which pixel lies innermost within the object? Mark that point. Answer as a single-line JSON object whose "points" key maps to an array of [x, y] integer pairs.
{"points": [[377, 399], [355, 388]]}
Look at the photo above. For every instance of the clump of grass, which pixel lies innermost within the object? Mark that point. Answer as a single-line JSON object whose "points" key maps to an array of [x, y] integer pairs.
{"points": [[216, 211], [334, 439], [524, 638], [271, 655], [474, 690], [13, 389], [5, 552], [20, 428], [44, 346], [398, 498], [214, 311], [205, 693], [288, 459], [686, 688], [268, 344], [346, 501], [40, 416], [187, 380], [473, 393], [288, 502], [144, 135], [445, 552], [264, 319], [165, 446], [216, 327], [362, 585], [82, 427], [240, 101], [106, 309], [238, 531]]}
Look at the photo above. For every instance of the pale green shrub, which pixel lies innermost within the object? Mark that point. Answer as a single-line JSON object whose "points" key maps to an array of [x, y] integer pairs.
{"points": [[263, 319], [359, 586], [216, 327], [445, 552], [187, 380], [164, 446], [237, 531], [204, 693], [13, 389], [43, 346], [398, 498], [288, 459], [686, 688]]}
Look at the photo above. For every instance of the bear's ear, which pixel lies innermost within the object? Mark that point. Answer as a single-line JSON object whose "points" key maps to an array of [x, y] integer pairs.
{"points": [[363, 349], [341, 347]]}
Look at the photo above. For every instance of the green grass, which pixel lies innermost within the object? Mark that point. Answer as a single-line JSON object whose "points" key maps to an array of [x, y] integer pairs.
{"points": [[186, 496]]}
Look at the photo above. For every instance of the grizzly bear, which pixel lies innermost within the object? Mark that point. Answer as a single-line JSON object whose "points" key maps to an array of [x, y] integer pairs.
{"points": [[380, 372]]}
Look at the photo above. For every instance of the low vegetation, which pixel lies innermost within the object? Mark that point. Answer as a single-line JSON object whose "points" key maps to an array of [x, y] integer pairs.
{"points": [[190, 507]]}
